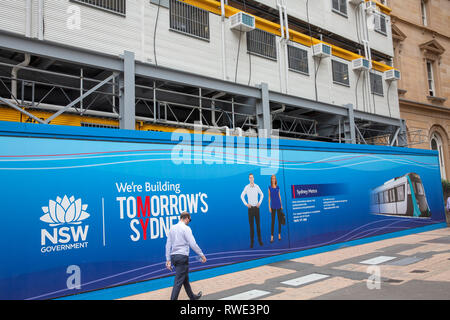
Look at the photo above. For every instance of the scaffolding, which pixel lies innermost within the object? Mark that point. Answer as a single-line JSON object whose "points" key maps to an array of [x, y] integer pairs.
{"points": [[60, 80]]}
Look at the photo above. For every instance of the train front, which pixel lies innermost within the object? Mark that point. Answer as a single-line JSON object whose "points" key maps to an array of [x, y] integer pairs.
{"points": [[421, 199]]}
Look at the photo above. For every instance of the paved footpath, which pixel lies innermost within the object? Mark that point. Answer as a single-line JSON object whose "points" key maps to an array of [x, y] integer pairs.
{"points": [[411, 267]]}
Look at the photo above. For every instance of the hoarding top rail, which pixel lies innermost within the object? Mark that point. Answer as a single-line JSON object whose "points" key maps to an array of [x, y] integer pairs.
{"points": [[33, 130]]}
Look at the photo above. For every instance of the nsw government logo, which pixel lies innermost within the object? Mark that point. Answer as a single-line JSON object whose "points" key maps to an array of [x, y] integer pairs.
{"points": [[66, 229]]}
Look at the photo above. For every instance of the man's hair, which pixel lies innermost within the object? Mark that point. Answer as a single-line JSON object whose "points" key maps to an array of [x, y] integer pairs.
{"points": [[185, 215], [251, 174]]}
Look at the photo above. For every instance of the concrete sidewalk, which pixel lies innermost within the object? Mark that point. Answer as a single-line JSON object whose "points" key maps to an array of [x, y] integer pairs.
{"points": [[410, 267]]}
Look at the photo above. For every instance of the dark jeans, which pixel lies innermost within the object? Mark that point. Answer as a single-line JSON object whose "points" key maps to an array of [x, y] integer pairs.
{"points": [[253, 215], [278, 213], [181, 264]]}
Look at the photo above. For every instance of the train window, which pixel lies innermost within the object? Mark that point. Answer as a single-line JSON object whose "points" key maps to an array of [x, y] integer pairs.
{"points": [[414, 187], [386, 196], [400, 193], [380, 196], [419, 189], [392, 195]]}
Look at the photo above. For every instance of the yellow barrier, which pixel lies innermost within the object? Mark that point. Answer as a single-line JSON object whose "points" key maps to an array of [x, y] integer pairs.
{"points": [[68, 119]]}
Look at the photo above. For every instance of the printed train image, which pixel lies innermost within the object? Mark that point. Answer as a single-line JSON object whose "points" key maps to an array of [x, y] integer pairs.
{"points": [[402, 196]]}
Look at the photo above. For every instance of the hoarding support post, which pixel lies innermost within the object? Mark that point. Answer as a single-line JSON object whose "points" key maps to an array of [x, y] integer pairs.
{"points": [[351, 122], [402, 137], [127, 93], [263, 110]]}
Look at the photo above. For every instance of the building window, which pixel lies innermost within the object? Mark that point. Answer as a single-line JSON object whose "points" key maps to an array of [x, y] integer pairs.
{"points": [[115, 6], [298, 59], [424, 11], [380, 23], [340, 6], [262, 43], [430, 76], [340, 73], [436, 144], [376, 83], [189, 20]]}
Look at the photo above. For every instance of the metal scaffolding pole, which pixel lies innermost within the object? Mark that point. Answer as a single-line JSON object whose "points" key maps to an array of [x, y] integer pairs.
{"points": [[127, 93], [70, 105]]}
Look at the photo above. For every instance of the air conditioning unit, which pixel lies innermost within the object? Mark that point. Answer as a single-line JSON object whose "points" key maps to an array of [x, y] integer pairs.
{"points": [[356, 2], [371, 7], [361, 64], [242, 21], [321, 50], [392, 75]]}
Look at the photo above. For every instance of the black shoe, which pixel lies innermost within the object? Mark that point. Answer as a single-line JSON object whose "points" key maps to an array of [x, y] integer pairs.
{"points": [[260, 243], [251, 245], [198, 296]]}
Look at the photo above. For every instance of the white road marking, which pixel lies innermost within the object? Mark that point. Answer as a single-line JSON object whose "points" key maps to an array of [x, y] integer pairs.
{"points": [[377, 260], [252, 294], [305, 279]]}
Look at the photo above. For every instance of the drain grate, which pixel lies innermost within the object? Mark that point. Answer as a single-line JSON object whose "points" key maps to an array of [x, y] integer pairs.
{"points": [[419, 271]]}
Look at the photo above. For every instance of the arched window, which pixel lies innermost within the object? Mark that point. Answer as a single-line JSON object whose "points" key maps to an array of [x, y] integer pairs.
{"points": [[436, 144]]}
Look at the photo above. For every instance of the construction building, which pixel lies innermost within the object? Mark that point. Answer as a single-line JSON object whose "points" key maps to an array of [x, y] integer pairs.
{"points": [[319, 70]]}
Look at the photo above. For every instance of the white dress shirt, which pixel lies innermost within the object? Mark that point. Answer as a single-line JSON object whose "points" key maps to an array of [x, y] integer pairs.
{"points": [[252, 195], [179, 239]]}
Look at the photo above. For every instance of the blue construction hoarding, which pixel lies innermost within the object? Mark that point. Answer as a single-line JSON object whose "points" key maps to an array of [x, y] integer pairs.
{"points": [[100, 201]]}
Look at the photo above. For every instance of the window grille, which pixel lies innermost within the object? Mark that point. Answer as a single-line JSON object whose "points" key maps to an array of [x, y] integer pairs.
{"points": [[262, 43], [189, 20], [340, 73], [376, 83], [116, 6], [298, 59]]}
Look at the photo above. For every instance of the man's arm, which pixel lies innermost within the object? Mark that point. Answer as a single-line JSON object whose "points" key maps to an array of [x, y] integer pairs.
{"points": [[192, 243], [168, 247], [243, 196], [262, 196]]}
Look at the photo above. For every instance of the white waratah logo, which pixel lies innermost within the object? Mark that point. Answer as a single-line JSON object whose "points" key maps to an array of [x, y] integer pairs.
{"points": [[66, 210]]}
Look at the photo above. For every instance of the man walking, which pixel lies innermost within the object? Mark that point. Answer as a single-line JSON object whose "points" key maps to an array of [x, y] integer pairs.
{"points": [[252, 191], [179, 240]]}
